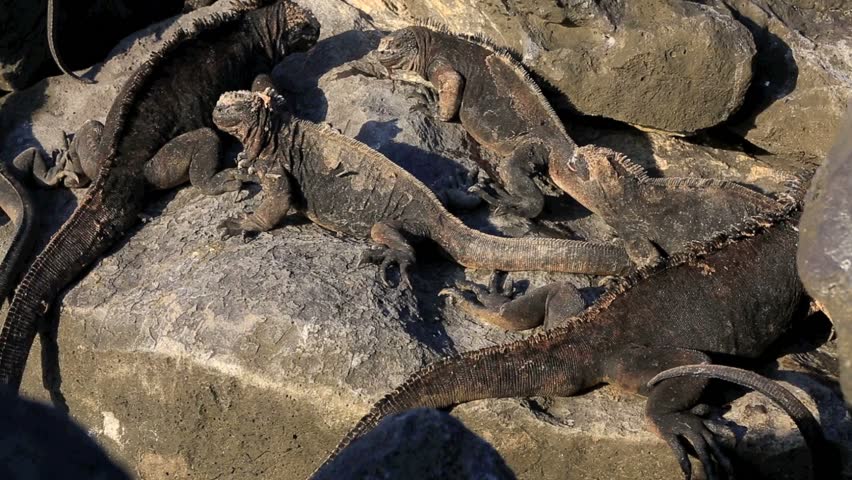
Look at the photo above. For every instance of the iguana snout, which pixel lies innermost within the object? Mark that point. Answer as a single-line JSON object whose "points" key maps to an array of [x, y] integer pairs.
{"points": [[398, 50], [303, 29]]}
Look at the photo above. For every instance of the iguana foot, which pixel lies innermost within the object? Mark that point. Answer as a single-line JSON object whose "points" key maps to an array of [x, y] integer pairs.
{"points": [[502, 202], [678, 426], [425, 101], [457, 195], [495, 295], [384, 257], [242, 227]]}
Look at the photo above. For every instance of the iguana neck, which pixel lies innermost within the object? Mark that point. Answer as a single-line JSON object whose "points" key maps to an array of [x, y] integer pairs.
{"points": [[425, 52]]}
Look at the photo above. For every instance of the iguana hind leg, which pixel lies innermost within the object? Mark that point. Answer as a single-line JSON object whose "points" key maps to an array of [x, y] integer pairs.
{"points": [[672, 408], [75, 165], [194, 157], [547, 305], [394, 249]]}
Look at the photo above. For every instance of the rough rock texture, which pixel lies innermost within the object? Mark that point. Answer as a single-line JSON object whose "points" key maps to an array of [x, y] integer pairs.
{"points": [[664, 64], [192, 357], [825, 251], [37, 442], [803, 75], [87, 31], [423, 444]]}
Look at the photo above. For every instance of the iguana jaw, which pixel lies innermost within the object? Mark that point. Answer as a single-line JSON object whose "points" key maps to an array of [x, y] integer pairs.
{"points": [[401, 50]]}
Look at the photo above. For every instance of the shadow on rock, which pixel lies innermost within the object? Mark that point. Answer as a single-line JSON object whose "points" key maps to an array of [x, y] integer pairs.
{"points": [[38, 442], [298, 75], [423, 444]]}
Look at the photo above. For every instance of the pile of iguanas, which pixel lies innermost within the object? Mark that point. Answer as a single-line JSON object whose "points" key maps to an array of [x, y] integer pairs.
{"points": [[707, 268]]}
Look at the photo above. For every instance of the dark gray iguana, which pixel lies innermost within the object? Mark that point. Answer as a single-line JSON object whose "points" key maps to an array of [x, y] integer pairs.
{"points": [[732, 296], [157, 135], [502, 108], [345, 186]]}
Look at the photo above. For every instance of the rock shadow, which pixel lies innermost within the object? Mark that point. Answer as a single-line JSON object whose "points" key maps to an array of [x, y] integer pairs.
{"points": [[298, 75]]}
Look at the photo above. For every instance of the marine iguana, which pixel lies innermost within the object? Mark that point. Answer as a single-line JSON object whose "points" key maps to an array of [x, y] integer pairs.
{"points": [[345, 186], [16, 203], [502, 107], [499, 105], [655, 217], [732, 296], [156, 136]]}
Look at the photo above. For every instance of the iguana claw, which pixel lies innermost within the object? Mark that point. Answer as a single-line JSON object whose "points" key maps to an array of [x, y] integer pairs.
{"points": [[385, 257]]}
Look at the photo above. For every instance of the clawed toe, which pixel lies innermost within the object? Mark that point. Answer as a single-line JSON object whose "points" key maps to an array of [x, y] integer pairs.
{"points": [[385, 258], [676, 428]]}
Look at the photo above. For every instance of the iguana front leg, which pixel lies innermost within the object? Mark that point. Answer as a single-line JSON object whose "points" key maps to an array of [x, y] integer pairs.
{"points": [[519, 194], [394, 249], [277, 199], [450, 85], [547, 305], [672, 408]]}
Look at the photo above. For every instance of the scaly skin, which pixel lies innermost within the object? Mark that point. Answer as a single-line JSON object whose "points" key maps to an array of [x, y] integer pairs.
{"points": [[18, 206], [498, 104], [695, 305], [656, 217], [347, 187], [157, 135], [502, 108]]}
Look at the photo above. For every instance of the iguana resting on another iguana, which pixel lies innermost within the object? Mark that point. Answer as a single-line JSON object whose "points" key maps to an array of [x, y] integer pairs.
{"points": [[345, 186], [156, 136], [502, 108], [732, 296]]}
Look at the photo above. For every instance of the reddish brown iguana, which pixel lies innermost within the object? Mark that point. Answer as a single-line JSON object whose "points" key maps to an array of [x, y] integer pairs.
{"points": [[732, 296]]}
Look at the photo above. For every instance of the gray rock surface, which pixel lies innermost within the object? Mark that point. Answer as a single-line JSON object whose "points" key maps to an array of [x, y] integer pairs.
{"points": [[825, 251], [191, 357], [803, 75], [423, 444], [663, 64]]}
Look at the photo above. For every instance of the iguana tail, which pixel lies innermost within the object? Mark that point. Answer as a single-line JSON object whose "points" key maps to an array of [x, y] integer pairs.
{"points": [[520, 369], [475, 249], [51, 43], [823, 464], [90, 231], [16, 202]]}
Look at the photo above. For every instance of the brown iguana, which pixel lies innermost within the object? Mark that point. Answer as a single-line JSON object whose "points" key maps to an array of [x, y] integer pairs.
{"points": [[345, 186], [502, 108], [157, 135], [732, 296]]}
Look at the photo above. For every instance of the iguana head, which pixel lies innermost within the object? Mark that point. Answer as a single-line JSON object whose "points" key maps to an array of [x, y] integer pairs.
{"points": [[401, 50], [254, 118], [288, 27], [608, 178]]}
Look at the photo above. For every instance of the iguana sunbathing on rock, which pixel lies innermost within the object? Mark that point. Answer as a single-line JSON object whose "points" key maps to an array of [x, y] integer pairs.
{"points": [[157, 135], [502, 108], [345, 186], [732, 296]]}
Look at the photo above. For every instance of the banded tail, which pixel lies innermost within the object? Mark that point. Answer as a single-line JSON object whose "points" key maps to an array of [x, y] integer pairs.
{"points": [[475, 249]]}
